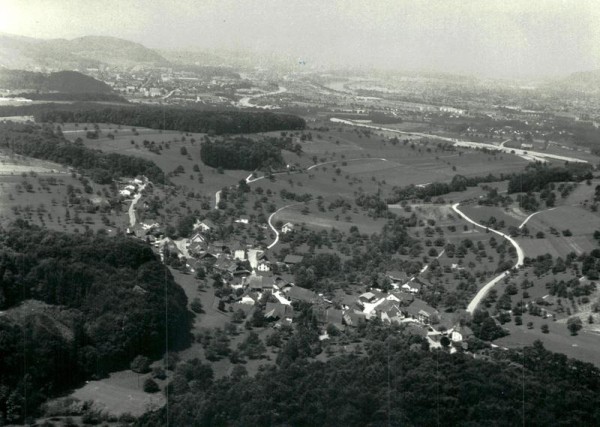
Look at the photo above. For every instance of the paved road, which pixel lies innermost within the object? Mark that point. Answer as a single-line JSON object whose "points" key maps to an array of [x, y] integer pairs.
{"points": [[488, 286], [525, 154], [217, 199]]}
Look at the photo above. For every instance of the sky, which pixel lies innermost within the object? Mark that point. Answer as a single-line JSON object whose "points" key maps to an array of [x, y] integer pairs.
{"points": [[508, 38]]}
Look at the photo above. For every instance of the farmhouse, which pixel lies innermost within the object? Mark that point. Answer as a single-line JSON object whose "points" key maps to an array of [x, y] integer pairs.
{"points": [[293, 259], [287, 227], [297, 293], [420, 311], [461, 333], [278, 311]]}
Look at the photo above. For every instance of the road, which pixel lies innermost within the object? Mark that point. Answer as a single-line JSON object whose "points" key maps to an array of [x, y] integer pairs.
{"points": [[488, 286], [245, 102], [525, 154], [274, 242], [217, 199], [533, 214], [136, 198]]}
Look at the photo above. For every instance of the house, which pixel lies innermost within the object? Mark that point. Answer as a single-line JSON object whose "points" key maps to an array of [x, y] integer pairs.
{"points": [[420, 311], [278, 311], [461, 333], [205, 225], [297, 293], [389, 311], [263, 266], [293, 259], [259, 283], [197, 238], [330, 316], [397, 276], [239, 254], [413, 287], [368, 297], [287, 227], [354, 318]]}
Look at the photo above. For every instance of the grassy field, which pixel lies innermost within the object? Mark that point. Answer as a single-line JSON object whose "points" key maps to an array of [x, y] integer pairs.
{"points": [[120, 393], [581, 222]]}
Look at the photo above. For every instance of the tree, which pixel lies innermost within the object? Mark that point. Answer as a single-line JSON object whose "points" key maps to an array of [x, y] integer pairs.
{"points": [[140, 365], [574, 324], [196, 306], [545, 328], [150, 386]]}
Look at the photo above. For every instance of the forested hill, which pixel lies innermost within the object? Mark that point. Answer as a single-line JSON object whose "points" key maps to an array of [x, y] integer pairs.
{"points": [[76, 307], [62, 81], [42, 142], [395, 384], [172, 118]]}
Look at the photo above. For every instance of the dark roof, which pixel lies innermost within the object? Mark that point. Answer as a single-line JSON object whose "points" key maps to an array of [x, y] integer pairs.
{"points": [[418, 306], [276, 310], [293, 259], [302, 294]]}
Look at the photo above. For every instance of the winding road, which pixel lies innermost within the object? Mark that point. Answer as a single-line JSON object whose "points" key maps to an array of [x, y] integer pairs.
{"points": [[274, 242], [245, 101], [489, 285], [136, 198]]}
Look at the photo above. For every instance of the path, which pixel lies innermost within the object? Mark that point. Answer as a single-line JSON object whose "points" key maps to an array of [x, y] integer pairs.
{"points": [[525, 154], [274, 242], [520, 257], [137, 197], [535, 213]]}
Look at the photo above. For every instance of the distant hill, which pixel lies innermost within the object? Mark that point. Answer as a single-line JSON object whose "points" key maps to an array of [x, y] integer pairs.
{"points": [[84, 52], [583, 81], [62, 81]]}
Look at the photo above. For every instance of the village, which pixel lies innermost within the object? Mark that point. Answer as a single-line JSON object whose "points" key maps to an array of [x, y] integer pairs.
{"points": [[248, 278]]}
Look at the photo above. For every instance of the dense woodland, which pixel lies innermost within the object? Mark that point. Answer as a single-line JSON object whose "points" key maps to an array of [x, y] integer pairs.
{"points": [[77, 97], [77, 307], [241, 153], [42, 142], [397, 382], [171, 118], [536, 176]]}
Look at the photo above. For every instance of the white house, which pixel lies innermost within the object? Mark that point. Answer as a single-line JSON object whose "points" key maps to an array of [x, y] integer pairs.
{"points": [[287, 227], [239, 254], [263, 266]]}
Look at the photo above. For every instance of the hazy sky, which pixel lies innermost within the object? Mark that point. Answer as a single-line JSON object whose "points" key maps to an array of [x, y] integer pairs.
{"points": [[489, 37]]}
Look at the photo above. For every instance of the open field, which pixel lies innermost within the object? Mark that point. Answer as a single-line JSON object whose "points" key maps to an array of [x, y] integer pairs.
{"points": [[580, 221], [120, 393]]}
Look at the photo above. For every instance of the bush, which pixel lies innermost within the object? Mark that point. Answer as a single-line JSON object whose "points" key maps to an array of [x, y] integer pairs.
{"points": [[140, 365], [196, 306], [150, 386]]}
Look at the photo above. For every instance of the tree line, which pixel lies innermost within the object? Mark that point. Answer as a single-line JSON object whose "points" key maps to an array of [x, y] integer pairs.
{"points": [[170, 118], [42, 142], [395, 381], [102, 302]]}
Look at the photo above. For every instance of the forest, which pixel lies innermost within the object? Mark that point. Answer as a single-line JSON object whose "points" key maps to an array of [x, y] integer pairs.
{"points": [[537, 176], [395, 381], [241, 153], [77, 307], [170, 118], [42, 142]]}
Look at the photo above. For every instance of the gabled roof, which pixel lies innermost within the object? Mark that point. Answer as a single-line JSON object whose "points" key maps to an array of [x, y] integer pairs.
{"points": [[419, 307], [302, 294], [276, 310], [293, 259]]}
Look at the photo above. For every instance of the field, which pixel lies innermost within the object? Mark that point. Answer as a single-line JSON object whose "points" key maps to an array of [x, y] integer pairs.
{"points": [[582, 223], [121, 393]]}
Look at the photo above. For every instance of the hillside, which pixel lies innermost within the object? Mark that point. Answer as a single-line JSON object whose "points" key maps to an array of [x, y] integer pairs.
{"points": [[62, 81], [82, 52]]}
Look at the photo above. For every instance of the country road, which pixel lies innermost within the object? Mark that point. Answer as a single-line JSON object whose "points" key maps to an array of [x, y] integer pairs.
{"points": [[274, 242], [533, 214], [525, 154], [136, 198], [488, 286]]}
